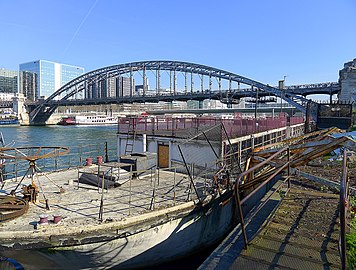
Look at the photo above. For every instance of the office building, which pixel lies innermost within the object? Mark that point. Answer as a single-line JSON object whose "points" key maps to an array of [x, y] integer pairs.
{"points": [[8, 81], [41, 78]]}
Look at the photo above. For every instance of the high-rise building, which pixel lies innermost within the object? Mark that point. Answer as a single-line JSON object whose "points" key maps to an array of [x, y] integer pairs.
{"points": [[110, 88], [125, 87], [8, 81], [41, 78]]}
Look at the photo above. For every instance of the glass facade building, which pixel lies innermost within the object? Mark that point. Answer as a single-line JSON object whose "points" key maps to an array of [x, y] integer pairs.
{"points": [[41, 78], [8, 81]]}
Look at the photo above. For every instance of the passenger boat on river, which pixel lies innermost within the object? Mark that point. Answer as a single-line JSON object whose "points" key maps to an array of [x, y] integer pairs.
{"points": [[89, 120]]}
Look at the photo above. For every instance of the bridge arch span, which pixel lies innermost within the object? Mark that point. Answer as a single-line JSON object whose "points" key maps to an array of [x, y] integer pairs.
{"points": [[80, 85]]}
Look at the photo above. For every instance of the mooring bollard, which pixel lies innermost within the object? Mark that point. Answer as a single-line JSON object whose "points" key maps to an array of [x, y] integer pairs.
{"points": [[43, 219], [57, 218]]}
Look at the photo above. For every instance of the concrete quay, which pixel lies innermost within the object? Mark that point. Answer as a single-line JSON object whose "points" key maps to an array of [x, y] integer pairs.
{"points": [[302, 233]]}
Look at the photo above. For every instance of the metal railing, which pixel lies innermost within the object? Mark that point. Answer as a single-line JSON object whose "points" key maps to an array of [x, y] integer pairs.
{"points": [[234, 127], [344, 204], [144, 190], [14, 168], [314, 86], [251, 171]]}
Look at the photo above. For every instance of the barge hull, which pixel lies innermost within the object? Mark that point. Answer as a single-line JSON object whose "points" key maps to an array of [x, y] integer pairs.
{"points": [[142, 245]]}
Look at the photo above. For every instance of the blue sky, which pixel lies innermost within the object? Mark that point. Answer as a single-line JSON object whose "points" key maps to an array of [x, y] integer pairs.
{"points": [[308, 41]]}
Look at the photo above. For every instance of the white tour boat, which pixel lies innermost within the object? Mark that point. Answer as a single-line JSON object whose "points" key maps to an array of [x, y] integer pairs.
{"points": [[89, 120]]}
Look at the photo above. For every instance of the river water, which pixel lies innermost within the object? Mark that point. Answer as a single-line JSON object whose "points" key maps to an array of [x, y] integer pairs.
{"points": [[55, 135], [82, 141]]}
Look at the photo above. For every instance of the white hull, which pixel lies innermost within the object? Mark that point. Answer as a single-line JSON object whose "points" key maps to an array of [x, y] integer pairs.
{"points": [[96, 124], [153, 238], [89, 120]]}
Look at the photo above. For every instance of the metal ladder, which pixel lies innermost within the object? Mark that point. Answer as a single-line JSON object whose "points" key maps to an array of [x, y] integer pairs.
{"points": [[130, 131]]}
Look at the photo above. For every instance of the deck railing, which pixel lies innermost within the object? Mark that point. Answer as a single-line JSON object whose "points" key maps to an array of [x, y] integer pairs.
{"points": [[235, 127], [14, 168], [144, 190]]}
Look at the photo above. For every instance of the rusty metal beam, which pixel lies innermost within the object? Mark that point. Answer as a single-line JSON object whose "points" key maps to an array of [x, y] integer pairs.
{"points": [[293, 148], [321, 134], [304, 158], [311, 177]]}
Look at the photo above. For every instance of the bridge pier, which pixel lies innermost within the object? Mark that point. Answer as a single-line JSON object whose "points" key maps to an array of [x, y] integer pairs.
{"points": [[348, 82], [18, 107], [18, 104]]}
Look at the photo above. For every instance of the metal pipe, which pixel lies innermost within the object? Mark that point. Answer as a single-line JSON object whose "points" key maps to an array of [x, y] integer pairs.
{"points": [[153, 198], [211, 146], [14, 190], [157, 176], [206, 176], [256, 104], [259, 165], [237, 194], [288, 151], [280, 169], [343, 204], [242, 222], [144, 141], [174, 186], [265, 201], [130, 179], [106, 152], [101, 209]]}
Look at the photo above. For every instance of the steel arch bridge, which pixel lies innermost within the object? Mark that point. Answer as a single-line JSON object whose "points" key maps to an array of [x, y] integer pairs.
{"points": [[92, 87]]}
